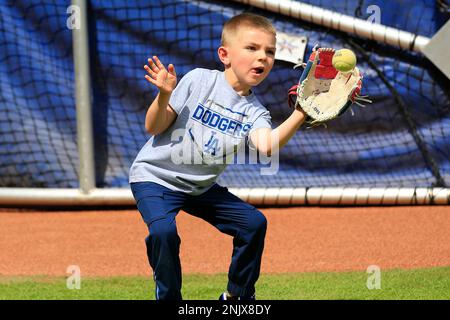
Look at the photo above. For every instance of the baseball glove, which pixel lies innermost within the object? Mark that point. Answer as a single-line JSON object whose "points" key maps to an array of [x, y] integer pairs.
{"points": [[324, 93]]}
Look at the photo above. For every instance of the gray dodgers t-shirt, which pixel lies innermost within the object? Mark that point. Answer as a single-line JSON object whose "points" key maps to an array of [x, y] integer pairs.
{"points": [[213, 122]]}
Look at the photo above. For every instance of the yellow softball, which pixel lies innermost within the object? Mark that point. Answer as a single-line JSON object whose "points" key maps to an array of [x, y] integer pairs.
{"points": [[344, 60]]}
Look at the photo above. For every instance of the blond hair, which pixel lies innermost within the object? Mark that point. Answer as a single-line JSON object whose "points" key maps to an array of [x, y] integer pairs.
{"points": [[232, 26]]}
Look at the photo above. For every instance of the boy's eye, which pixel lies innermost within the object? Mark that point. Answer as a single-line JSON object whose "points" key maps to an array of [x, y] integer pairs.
{"points": [[271, 52], [250, 48]]}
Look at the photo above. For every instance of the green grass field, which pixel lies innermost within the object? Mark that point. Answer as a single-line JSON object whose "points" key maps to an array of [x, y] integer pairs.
{"points": [[395, 285]]}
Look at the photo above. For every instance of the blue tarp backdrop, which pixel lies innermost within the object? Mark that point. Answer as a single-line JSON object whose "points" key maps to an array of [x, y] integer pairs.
{"points": [[377, 147]]}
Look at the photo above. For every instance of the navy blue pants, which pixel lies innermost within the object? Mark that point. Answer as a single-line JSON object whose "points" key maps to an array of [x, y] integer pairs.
{"points": [[159, 207]]}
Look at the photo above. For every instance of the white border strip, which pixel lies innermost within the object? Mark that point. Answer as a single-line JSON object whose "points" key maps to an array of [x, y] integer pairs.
{"points": [[344, 196], [344, 23], [255, 196]]}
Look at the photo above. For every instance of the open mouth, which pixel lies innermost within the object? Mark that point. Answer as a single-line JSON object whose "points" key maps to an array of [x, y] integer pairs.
{"points": [[258, 70]]}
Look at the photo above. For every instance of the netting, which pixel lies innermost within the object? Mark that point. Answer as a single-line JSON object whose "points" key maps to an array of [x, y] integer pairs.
{"points": [[401, 140], [38, 145]]}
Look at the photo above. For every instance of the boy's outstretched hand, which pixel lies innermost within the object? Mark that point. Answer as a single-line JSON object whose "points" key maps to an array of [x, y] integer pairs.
{"points": [[164, 79]]}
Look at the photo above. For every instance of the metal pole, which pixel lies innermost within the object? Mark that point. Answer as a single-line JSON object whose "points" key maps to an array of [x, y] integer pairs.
{"points": [[344, 23], [83, 99]]}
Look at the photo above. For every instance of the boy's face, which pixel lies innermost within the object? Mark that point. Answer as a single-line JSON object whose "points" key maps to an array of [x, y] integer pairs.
{"points": [[250, 55]]}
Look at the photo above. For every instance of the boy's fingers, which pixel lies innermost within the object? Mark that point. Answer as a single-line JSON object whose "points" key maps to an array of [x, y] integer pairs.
{"points": [[152, 65], [149, 79], [172, 70], [158, 63], [152, 74]]}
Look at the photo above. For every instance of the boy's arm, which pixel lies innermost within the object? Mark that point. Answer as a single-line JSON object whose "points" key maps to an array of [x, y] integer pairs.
{"points": [[160, 115], [268, 141]]}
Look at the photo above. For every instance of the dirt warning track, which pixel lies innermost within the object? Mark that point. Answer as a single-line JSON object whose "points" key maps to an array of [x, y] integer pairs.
{"points": [[301, 239]]}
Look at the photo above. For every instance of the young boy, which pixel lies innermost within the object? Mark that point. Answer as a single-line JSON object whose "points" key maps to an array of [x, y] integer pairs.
{"points": [[213, 112]]}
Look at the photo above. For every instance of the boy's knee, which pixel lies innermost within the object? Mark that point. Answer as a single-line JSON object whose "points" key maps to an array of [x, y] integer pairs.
{"points": [[258, 222], [163, 231]]}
